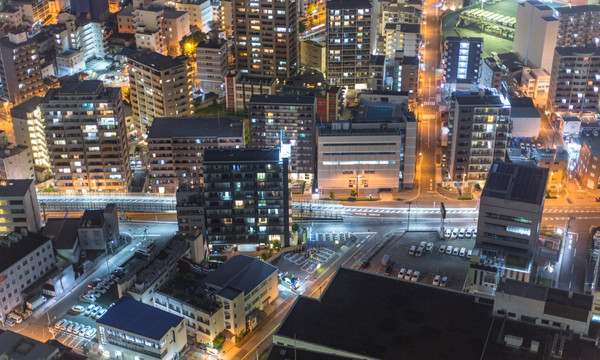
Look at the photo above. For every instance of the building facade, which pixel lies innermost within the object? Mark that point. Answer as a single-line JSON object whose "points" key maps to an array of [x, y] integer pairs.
{"points": [[200, 13], [266, 45], [160, 87], [349, 42], [211, 64], [239, 89], [588, 165], [573, 81], [20, 67], [29, 128], [16, 161], [462, 62], [479, 126], [176, 148], [86, 137], [278, 121], [19, 207], [246, 196], [536, 31], [190, 210]]}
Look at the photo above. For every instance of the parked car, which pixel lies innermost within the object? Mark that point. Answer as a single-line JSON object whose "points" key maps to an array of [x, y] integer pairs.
{"points": [[474, 233], [448, 233], [449, 249], [423, 244], [454, 233], [455, 251], [419, 251], [462, 252], [469, 253], [364, 265], [442, 248], [401, 273], [90, 333], [102, 312], [412, 250], [415, 276], [59, 324], [461, 233], [389, 269], [408, 274], [468, 233], [76, 328], [436, 280], [443, 281], [429, 246], [65, 325], [77, 309], [70, 327]]}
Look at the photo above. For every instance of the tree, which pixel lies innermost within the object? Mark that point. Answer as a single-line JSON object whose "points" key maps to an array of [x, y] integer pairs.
{"points": [[353, 192], [188, 43], [295, 227], [127, 95], [301, 27], [332, 195], [277, 244]]}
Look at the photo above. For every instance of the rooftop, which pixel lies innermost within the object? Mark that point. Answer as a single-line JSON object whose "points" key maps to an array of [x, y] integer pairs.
{"points": [[594, 145], [567, 10], [92, 219], [173, 14], [240, 155], [348, 4], [578, 51], [155, 60], [16, 246], [516, 183], [478, 99], [282, 99], [188, 289], [14, 188], [241, 272], [397, 319], [138, 318], [19, 347], [196, 127], [523, 108], [28, 106], [63, 232], [242, 78]]}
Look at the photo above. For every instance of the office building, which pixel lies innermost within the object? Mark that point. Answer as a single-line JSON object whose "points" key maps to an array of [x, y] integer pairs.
{"points": [[479, 125], [19, 207], [28, 127], [266, 45], [86, 137], [99, 229], [511, 207], [540, 29], [349, 42], [176, 148], [131, 329], [25, 258], [190, 210], [588, 165], [286, 122], [20, 67], [246, 197], [227, 300], [573, 81], [462, 62], [200, 13], [211, 64], [370, 154], [160, 87], [239, 88]]}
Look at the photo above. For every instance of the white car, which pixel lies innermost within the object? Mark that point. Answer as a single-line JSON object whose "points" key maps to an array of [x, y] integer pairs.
{"points": [[454, 233], [408, 274], [90, 297], [77, 309], [462, 252], [415, 276], [423, 244], [474, 233], [429, 246], [455, 251], [469, 253], [89, 310], [468, 233], [83, 330], [442, 248], [401, 273], [100, 314], [59, 324], [443, 281], [65, 325], [69, 327], [436, 280], [76, 327], [448, 233], [461, 233], [90, 333], [449, 249]]}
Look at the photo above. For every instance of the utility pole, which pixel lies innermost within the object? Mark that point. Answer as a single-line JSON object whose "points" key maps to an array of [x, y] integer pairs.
{"points": [[408, 223]]}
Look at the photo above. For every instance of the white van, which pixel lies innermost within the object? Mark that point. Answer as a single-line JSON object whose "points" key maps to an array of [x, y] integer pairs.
{"points": [[16, 317]]}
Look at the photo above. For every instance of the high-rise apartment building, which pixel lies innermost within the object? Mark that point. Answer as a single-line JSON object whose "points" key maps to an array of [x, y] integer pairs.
{"points": [[289, 123], [28, 127], [157, 28], [349, 42], [87, 36], [20, 67], [401, 40], [176, 148], [190, 210], [86, 137], [19, 207], [239, 88], [160, 87], [462, 62], [579, 26], [266, 37], [211, 65], [246, 197], [16, 161], [35, 11], [479, 125], [575, 80], [200, 13]]}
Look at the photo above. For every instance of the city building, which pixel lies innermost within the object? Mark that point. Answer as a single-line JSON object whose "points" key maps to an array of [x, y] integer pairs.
{"points": [[125, 21], [156, 28], [160, 87], [190, 210], [349, 42], [331, 328], [19, 207], [131, 329], [511, 206], [405, 75], [63, 232], [402, 39], [536, 31], [35, 11], [227, 300], [491, 74], [313, 54], [525, 119], [462, 62], [12, 15], [85, 35], [20, 67], [239, 88], [536, 84], [579, 26], [266, 45], [211, 64], [25, 258], [330, 99], [99, 229], [555, 160], [573, 81], [588, 165], [176, 148], [28, 127], [246, 197], [278, 121], [479, 125], [370, 154], [547, 307], [86, 137], [91, 9], [200, 13], [70, 62], [16, 161], [376, 79]]}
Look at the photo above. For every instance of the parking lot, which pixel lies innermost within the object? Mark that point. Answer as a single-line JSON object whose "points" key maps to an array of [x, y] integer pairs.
{"points": [[76, 341], [430, 263]]}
